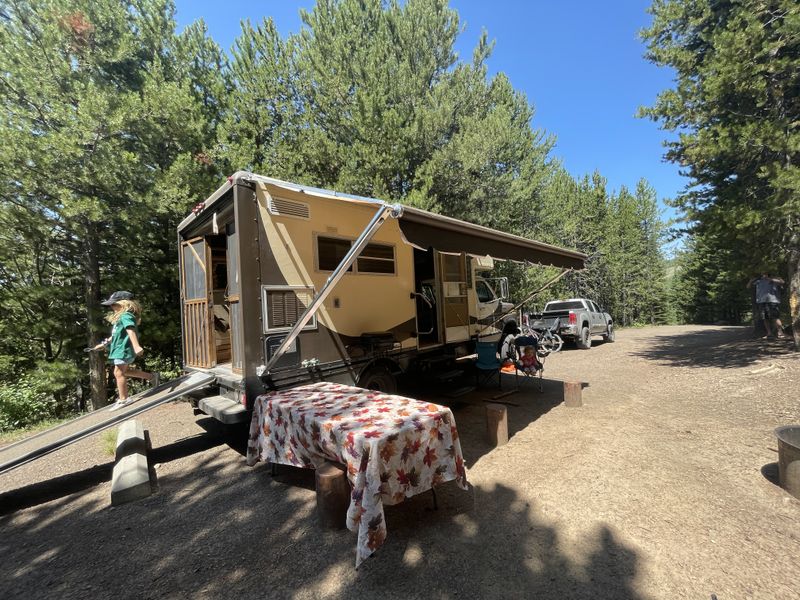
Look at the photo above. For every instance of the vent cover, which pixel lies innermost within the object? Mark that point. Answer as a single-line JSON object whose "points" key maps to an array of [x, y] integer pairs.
{"points": [[288, 208]]}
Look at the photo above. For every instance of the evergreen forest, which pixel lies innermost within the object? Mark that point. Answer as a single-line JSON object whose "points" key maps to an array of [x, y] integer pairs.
{"points": [[115, 124]]}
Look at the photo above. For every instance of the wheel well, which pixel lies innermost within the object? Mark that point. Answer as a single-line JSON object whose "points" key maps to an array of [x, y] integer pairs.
{"points": [[382, 363], [585, 324]]}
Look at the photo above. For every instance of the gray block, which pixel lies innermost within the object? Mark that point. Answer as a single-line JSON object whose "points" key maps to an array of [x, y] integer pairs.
{"points": [[223, 409], [130, 480], [130, 439]]}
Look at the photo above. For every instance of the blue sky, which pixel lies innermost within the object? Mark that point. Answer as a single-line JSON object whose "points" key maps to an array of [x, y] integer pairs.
{"points": [[579, 63]]}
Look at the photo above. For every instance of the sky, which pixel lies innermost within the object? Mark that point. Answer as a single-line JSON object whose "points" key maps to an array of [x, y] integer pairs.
{"points": [[579, 63]]}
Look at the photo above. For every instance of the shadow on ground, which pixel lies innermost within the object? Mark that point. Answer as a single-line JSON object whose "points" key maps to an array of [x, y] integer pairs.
{"points": [[728, 347], [216, 434], [520, 395], [770, 472], [227, 531], [217, 528]]}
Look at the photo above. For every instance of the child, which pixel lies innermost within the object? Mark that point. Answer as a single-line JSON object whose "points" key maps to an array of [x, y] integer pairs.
{"points": [[530, 363], [124, 344]]}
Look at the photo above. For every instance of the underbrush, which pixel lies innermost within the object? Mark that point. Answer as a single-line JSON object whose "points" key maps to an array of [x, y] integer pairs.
{"points": [[35, 397], [49, 394]]}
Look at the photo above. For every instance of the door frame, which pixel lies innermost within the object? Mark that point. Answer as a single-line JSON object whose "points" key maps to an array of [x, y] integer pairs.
{"points": [[457, 333]]}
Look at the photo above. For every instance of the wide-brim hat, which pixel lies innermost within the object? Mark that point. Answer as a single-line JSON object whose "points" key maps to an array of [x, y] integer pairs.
{"points": [[116, 297]]}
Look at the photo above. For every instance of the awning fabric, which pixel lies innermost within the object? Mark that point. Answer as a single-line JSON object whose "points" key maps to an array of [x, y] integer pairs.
{"points": [[429, 230], [426, 230]]}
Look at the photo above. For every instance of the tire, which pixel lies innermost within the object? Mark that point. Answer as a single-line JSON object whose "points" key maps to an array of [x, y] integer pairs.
{"points": [[557, 343], [610, 334], [378, 379], [551, 344], [584, 341]]}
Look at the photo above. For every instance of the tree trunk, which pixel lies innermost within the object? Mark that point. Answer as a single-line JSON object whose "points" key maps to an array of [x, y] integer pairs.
{"points": [[97, 371], [794, 288]]}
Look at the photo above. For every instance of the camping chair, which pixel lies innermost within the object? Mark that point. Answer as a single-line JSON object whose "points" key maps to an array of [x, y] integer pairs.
{"points": [[520, 342], [487, 365]]}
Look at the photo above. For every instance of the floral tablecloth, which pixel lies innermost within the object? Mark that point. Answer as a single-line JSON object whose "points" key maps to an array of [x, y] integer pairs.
{"points": [[393, 447]]}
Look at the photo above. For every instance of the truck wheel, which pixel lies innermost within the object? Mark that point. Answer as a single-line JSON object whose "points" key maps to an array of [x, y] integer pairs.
{"points": [[378, 379], [584, 341], [609, 335]]}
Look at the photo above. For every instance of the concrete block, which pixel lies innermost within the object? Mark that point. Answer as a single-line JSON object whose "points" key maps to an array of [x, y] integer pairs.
{"points": [[130, 480], [130, 439]]}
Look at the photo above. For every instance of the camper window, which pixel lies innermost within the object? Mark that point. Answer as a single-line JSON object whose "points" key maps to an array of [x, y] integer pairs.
{"points": [[283, 305], [330, 252], [375, 258]]}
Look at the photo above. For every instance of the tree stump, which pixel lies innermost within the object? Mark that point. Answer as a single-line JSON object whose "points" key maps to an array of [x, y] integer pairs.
{"points": [[496, 424], [572, 393], [333, 495]]}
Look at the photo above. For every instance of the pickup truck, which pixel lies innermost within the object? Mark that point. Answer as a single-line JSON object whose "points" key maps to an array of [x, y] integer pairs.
{"points": [[579, 319]]}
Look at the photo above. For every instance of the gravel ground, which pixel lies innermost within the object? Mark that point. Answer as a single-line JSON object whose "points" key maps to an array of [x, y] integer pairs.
{"points": [[661, 486]]}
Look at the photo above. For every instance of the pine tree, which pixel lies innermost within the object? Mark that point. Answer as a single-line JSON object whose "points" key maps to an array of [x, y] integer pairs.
{"points": [[101, 123], [736, 107]]}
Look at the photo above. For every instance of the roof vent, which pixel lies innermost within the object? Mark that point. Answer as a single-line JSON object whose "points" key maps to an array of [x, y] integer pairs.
{"points": [[288, 208]]}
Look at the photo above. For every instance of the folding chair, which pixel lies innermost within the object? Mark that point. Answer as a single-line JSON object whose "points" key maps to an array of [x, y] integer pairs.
{"points": [[487, 364]]}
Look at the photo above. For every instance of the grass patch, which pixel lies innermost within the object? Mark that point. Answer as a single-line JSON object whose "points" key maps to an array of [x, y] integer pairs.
{"points": [[108, 441]]}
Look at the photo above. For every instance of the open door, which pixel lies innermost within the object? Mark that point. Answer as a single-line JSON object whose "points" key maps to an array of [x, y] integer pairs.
{"points": [[453, 270], [196, 286], [427, 299]]}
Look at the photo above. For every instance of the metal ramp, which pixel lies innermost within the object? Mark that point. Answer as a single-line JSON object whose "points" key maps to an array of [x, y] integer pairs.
{"points": [[50, 440]]}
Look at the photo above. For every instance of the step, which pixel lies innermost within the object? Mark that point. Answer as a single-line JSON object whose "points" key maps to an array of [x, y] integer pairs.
{"points": [[223, 409], [460, 391], [448, 375], [438, 359]]}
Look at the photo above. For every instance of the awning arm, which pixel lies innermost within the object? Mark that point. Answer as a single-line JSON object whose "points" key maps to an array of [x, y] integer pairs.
{"points": [[528, 297], [386, 210]]}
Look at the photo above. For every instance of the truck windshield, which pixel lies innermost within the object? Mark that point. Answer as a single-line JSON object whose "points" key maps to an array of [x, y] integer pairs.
{"points": [[572, 305]]}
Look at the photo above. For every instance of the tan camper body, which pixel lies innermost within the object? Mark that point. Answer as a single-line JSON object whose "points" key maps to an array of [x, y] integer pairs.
{"points": [[259, 251]]}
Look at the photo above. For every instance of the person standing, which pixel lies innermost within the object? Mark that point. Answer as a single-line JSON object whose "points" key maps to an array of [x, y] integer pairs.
{"points": [[123, 344], [768, 301]]}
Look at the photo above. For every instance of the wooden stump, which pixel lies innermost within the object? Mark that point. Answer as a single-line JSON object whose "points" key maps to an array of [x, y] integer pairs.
{"points": [[497, 424], [333, 495], [572, 393]]}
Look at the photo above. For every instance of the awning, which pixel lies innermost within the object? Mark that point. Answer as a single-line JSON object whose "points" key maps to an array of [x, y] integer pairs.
{"points": [[429, 230], [426, 230]]}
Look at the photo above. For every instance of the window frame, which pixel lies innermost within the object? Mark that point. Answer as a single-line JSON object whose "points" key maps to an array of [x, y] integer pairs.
{"points": [[265, 289], [354, 270]]}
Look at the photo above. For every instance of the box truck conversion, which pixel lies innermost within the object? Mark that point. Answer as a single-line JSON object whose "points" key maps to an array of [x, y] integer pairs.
{"points": [[284, 284]]}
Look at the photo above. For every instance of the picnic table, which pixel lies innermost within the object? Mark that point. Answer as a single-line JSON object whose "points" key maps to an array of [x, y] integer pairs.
{"points": [[392, 447]]}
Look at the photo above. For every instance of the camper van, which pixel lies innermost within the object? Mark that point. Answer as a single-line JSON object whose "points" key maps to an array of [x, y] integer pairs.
{"points": [[284, 284]]}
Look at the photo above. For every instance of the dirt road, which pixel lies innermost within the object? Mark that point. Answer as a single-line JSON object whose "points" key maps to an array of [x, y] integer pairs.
{"points": [[661, 486]]}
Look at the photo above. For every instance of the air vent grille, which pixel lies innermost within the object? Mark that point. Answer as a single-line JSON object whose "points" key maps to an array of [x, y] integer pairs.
{"points": [[288, 208]]}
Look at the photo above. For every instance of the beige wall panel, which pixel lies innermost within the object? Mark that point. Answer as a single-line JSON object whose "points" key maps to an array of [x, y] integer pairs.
{"points": [[367, 303]]}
